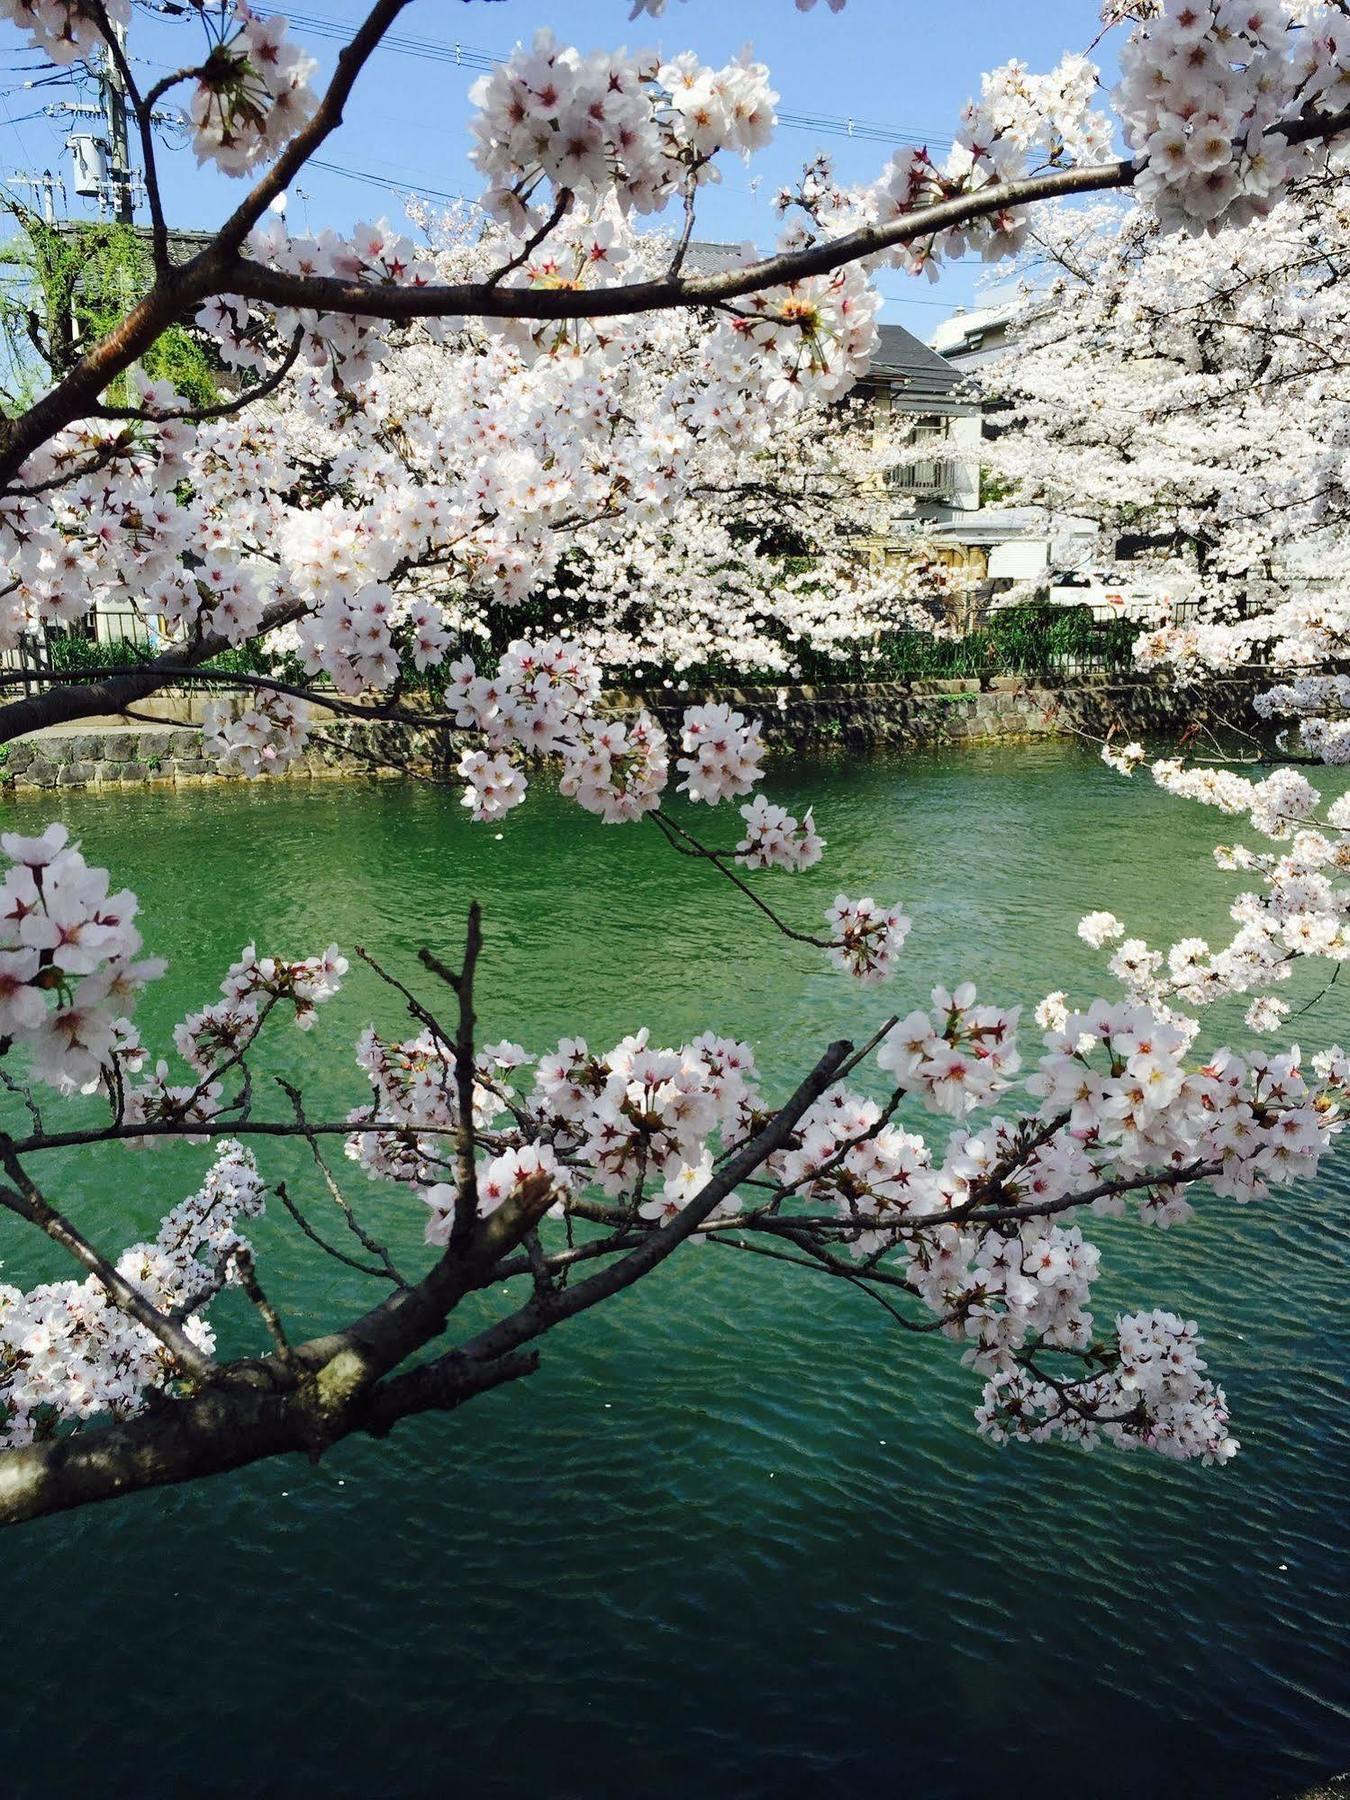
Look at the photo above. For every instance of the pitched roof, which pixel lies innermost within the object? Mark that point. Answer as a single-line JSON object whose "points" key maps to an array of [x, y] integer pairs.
{"points": [[902, 361], [183, 244], [713, 259]]}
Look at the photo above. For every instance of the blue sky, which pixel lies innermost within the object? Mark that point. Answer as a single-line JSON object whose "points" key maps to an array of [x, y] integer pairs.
{"points": [[905, 66]]}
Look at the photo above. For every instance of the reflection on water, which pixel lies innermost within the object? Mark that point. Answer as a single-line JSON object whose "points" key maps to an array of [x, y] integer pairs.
{"points": [[737, 1536]]}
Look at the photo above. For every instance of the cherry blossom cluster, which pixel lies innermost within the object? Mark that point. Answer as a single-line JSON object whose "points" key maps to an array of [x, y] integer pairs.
{"points": [[812, 338], [263, 737], [65, 30], [631, 126], [866, 938], [498, 454], [1320, 704], [617, 769], [340, 344], [775, 840], [1297, 909], [1278, 806], [217, 1038], [1305, 632], [539, 704], [252, 985], [957, 1057], [1192, 349], [1021, 122], [493, 784], [1156, 1397], [103, 527], [68, 1353], [252, 93], [406, 483], [981, 1232], [1120, 1111], [1124, 758], [534, 701], [1098, 928], [412, 1086], [70, 963], [635, 1120], [1204, 85], [527, 1166], [722, 754], [624, 466]]}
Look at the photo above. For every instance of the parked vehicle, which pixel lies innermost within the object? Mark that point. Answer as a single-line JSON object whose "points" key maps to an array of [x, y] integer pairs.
{"points": [[1142, 602]]}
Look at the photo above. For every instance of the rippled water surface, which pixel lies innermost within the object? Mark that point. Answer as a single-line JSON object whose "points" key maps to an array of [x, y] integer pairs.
{"points": [[737, 1537]]}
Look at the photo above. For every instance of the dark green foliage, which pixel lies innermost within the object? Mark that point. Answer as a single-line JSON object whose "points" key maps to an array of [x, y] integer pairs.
{"points": [[103, 657], [1037, 641], [1032, 640]]}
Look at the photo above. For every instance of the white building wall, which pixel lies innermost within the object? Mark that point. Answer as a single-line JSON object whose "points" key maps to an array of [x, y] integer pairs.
{"points": [[965, 436]]}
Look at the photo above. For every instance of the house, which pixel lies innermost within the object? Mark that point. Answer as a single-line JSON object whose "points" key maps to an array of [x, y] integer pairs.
{"points": [[973, 337], [911, 385], [926, 399], [932, 392], [1016, 544]]}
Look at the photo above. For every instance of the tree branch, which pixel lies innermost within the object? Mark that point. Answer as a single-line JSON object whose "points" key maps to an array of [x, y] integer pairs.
{"points": [[28, 1203], [115, 692]]}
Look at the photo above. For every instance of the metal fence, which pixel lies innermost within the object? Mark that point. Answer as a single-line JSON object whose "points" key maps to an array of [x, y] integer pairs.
{"points": [[1038, 639], [27, 664], [26, 661], [929, 480]]}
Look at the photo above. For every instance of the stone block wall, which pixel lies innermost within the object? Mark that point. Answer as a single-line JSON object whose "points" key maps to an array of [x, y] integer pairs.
{"points": [[864, 716], [878, 714]]}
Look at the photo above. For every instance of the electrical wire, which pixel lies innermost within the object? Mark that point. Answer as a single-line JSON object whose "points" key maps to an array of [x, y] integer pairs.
{"points": [[383, 181], [466, 56]]}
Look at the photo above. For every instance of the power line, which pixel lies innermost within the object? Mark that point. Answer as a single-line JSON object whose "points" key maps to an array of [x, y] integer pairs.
{"points": [[466, 56], [415, 188]]}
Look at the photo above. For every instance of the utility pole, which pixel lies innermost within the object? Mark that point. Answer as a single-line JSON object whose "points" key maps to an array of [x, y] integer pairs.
{"points": [[45, 186], [119, 153]]}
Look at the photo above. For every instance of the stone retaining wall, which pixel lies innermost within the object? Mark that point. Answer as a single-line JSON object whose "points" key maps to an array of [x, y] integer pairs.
{"points": [[874, 714], [863, 716]]}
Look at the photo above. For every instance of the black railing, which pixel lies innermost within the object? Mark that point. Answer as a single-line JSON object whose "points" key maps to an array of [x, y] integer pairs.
{"points": [[1032, 640]]}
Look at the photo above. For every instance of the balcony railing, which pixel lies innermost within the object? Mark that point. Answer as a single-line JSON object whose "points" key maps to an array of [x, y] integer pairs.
{"points": [[930, 480]]}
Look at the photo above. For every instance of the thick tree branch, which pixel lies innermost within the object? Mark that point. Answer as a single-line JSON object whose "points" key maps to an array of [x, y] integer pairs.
{"points": [[113, 693], [476, 299], [336, 1385], [218, 1431]]}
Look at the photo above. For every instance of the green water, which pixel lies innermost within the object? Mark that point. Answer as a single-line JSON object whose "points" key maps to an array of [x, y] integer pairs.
{"points": [[737, 1537]]}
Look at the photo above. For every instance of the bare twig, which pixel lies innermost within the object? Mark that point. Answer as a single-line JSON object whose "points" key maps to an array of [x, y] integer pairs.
{"points": [[248, 1280], [336, 1194], [330, 1249]]}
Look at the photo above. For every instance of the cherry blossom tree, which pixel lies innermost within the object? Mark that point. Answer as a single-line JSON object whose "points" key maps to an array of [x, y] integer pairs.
{"points": [[1187, 392], [557, 1181], [668, 528]]}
